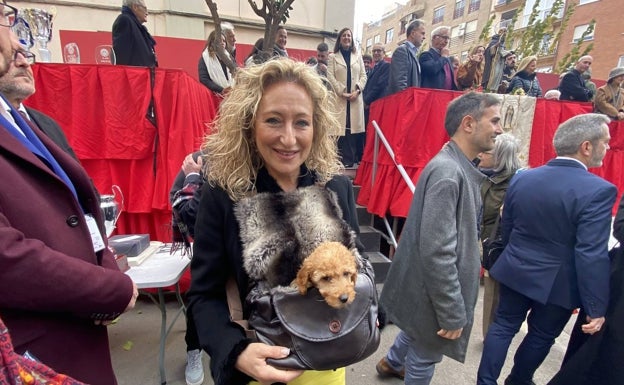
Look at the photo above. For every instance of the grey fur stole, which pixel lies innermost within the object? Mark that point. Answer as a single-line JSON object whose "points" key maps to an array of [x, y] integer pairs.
{"points": [[279, 230]]}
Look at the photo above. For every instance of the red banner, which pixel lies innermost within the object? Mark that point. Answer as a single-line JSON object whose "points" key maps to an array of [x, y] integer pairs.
{"points": [[413, 123]]}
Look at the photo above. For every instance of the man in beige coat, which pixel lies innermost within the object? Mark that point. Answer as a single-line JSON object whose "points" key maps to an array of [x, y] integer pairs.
{"points": [[348, 81]]}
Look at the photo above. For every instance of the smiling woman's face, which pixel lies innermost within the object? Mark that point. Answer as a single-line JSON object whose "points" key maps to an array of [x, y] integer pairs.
{"points": [[284, 131]]}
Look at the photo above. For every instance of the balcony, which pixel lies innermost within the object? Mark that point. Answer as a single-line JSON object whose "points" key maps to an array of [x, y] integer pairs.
{"points": [[474, 6], [459, 12], [506, 5]]}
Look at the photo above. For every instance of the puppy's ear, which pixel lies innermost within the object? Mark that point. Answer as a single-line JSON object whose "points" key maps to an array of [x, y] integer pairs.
{"points": [[354, 278], [303, 278]]}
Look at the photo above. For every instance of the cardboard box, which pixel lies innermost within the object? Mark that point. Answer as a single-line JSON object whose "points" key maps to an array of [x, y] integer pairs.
{"points": [[131, 244]]}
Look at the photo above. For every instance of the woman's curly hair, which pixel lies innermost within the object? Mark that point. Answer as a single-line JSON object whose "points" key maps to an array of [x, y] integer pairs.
{"points": [[232, 156]]}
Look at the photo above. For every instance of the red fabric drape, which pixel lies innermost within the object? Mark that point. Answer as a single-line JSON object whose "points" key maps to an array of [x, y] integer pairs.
{"points": [[413, 123], [102, 110]]}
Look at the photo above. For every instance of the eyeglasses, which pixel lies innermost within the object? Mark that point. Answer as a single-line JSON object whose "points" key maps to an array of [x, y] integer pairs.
{"points": [[28, 56], [377, 50], [443, 37], [7, 15]]}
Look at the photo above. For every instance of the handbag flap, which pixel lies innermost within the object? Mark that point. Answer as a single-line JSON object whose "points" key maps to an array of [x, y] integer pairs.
{"points": [[315, 320]]}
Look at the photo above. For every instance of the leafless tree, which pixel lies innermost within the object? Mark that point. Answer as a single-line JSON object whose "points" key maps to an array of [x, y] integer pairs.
{"points": [[221, 54], [273, 12]]}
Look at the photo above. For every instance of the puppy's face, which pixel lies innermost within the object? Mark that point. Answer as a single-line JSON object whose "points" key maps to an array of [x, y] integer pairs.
{"points": [[332, 269], [337, 288]]}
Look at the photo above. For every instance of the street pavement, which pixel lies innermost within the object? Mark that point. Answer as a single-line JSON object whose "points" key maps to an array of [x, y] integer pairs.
{"points": [[135, 339]]}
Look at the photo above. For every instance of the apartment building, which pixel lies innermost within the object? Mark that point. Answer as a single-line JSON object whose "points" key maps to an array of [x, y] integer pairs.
{"points": [[607, 38], [467, 18]]}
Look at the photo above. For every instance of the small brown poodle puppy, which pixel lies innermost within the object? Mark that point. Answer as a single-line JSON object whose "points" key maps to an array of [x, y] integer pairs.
{"points": [[332, 269]]}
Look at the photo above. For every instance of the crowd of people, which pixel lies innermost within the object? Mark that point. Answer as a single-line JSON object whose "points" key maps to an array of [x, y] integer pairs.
{"points": [[283, 127]]}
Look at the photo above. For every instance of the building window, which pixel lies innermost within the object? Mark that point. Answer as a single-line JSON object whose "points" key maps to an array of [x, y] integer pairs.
{"points": [[544, 8], [369, 43], [544, 49], [586, 1], [438, 15], [405, 22], [459, 8], [471, 31], [506, 18], [621, 61], [474, 6], [578, 32], [389, 35], [463, 57], [377, 39]]}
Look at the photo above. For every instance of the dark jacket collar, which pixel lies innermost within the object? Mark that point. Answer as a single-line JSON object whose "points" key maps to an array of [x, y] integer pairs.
{"points": [[127, 11], [565, 163], [525, 75], [266, 183]]}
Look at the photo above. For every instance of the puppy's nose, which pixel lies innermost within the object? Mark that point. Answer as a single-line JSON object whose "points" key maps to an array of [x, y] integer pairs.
{"points": [[344, 298]]}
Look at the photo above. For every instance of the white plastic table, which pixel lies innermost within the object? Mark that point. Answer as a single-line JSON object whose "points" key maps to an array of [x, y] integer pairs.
{"points": [[159, 271]]}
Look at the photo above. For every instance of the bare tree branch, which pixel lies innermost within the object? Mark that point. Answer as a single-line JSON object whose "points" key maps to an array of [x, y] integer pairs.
{"points": [[221, 54]]}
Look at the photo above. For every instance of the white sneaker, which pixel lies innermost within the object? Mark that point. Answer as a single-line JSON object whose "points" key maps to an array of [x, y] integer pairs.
{"points": [[194, 372]]}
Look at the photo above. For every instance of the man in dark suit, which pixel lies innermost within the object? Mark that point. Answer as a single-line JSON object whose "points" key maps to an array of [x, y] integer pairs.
{"points": [[374, 89], [437, 70], [378, 78], [17, 85], [404, 68], [572, 85], [60, 284], [132, 43], [556, 224]]}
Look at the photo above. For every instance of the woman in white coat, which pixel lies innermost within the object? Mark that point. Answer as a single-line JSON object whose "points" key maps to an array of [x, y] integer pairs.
{"points": [[347, 75]]}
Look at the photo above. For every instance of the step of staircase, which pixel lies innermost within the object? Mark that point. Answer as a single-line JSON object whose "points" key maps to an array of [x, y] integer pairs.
{"points": [[370, 238], [381, 264]]}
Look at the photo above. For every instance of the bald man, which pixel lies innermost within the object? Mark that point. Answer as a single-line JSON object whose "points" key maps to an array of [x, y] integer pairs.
{"points": [[572, 85]]}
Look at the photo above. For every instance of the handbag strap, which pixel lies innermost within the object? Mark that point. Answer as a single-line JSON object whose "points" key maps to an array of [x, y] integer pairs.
{"points": [[236, 308], [495, 228]]}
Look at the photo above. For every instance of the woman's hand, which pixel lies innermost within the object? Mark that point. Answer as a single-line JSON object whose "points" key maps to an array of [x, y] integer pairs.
{"points": [[347, 95], [252, 362]]}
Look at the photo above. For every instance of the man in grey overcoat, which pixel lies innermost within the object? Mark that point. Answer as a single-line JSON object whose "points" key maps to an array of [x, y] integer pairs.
{"points": [[432, 286]]}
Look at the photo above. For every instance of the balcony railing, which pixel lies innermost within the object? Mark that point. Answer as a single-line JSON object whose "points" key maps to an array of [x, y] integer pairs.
{"points": [[459, 12], [474, 6]]}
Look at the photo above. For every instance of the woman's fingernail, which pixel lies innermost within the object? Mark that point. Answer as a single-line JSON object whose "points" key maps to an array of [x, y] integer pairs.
{"points": [[285, 351]]}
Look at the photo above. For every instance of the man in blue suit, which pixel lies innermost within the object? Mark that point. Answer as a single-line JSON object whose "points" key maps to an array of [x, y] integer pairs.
{"points": [[437, 69], [404, 68], [378, 77], [556, 223]]}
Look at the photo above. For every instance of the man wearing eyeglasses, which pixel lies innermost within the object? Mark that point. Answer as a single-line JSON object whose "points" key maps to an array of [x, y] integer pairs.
{"points": [[437, 69], [60, 283], [132, 43], [17, 85]]}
